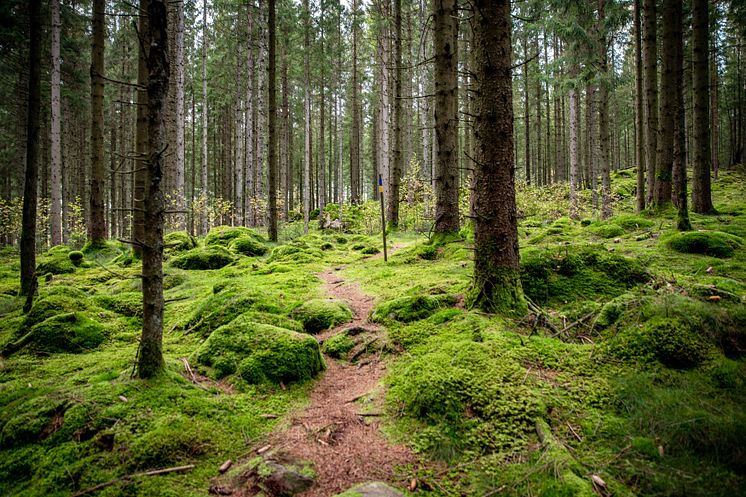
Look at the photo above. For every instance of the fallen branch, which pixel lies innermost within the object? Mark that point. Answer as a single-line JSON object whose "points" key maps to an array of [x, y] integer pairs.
{"points": [[128, 478], [572, 325]]}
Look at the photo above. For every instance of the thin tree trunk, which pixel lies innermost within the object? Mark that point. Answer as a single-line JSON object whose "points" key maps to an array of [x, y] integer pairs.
{"points": [[249, 198], [574, 147], [97, 227], [650, 51], [445, 27], [139, 166], [179, 173], [55, 217], [701, 191], [714, 119], [526, 108], [272, 166], [355, 128], [639, 111], [204, 194], [603, 115], [307, 108]]}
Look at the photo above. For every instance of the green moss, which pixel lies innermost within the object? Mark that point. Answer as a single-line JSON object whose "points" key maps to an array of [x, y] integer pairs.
{"points": [[563, 275], [370, 250], [613, 310], [214, 257], [274, 319], [318, 315], [300, 253], [70, 332], [125, 303], [55, 261], [223, 235], [224, 306], [427, 252], [712, 243], [28, 420], [260, 352], [607, 230], [76, 257], [172, 441], [179, 241], [645, 446], [407, 309], [338, 346], [630, 222], [102, 250], [247, 245], [56, 300]]}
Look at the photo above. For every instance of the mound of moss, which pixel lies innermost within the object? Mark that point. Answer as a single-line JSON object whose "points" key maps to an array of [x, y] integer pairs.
{"points": [[225, 305], [172, 441], [56, 300], [427, 252], [630, 222], [712, 243], [102, 250], [318, 315], [247, 245], [179, 241], [125, 303], [278, 320], [214, 257], [55, 261], [300, 253], [607, 230], [411, 308], [25, 420], [76, 257], [563, 275], [224, 235], [69, 332], [338, 346], [260, 353]]}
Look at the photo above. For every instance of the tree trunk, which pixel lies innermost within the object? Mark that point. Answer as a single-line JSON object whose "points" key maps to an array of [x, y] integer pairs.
{"points": [[603, 115], [701, 193], [272, 166], [179, 183], [285, 173], [650, 49], [28, 227], [574, 146], [250, 205], [97, 227], [639, 111], [396, 170], [322, 117], [526, 108], [204, 194], [307, 108], [355, 128], [496, 285], [151, 348], [445, 25], [714, 120], [55, 217], [141, 146]]}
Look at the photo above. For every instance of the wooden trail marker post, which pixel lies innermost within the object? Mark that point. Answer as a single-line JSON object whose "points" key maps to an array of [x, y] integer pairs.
{"points": [[383, 218]]}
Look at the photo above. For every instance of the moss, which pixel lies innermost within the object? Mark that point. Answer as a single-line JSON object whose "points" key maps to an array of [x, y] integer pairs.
{"points": [[260, 352], [69, 332], [613, 310], [223, 235], [630, 222], [28, 420], [712, 243], [179, 241], [214, 257], [645, 446], [338, 346], [102, 250], [318, 315], [370, 250], [225, 305], [172, 441], [125, 303], [247, 245], [76, 257], [277, 320], [607, 230], [563, 275], [299, 254], [427, 252], [55, 261], [413, 308], [499, 292], [56, 300]]}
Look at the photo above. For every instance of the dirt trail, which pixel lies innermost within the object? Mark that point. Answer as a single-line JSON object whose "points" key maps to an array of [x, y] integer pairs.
{"points": [[346, 448]]}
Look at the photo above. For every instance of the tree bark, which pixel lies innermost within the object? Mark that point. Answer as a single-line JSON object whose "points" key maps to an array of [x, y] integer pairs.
{"points": [[97, 227], [574, 146], [28, 226], [55, 217], [650, 50], [355, 128], [307, 108], [396, 170], [271, 77], [179, 172], [603, 115], [204, 194], [445, 27], [496, 285], [639, 111], [151, 361], [701, 190], [141, 146]]}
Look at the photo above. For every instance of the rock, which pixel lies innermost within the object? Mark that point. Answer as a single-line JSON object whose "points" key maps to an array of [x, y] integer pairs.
{"points": [[285, 482], [371, 489]]}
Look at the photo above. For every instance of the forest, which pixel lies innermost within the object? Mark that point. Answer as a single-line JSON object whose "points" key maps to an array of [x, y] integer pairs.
{"points": [[373, 248]]}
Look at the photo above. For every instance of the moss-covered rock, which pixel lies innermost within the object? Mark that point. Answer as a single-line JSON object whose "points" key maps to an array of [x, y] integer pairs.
{"points": [[712, 243], [247, 245], [69, 332], [224, 235], [55, 261], [338, 346], [179, 241], [260, 352], [125, 303], [225, 305], [563, 275], [76, 257], [174, 440], [102, 250], [300, 253], [630, 222], [318, 315], [411, 308], [56, 300], [605, 230], [370, 250], [214, 257]]}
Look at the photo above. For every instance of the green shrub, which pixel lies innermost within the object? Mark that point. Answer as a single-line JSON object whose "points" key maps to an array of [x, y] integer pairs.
{"points": [[223, 235], [214, 257], [179, 241], [260, 352], [247, 245], [413, 308], [712, 243], [338, 346], [76, 257], [225, 305], [318, 315]]}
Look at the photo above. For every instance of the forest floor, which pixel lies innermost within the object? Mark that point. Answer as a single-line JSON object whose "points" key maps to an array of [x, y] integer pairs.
{"points": [[626, 378]]}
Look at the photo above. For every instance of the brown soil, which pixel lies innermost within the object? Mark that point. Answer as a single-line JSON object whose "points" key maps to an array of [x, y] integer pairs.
{"points": [[346, 447]]}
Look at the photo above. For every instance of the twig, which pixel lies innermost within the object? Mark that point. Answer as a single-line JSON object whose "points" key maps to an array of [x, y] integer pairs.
{"points": [[127, 478], [369, 414], [572, 325]]}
